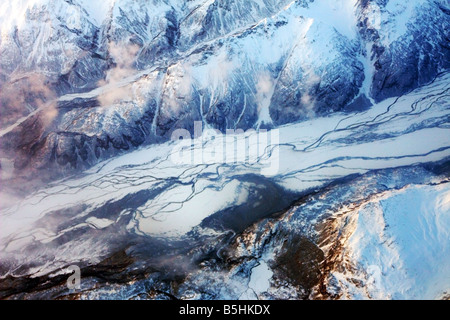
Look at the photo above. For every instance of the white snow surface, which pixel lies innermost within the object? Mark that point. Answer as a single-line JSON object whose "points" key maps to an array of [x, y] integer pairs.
{"points": [[402, 241]]}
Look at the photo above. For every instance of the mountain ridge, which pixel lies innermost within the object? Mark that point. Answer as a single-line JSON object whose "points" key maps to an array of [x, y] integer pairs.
{"points": [[155, 67]]}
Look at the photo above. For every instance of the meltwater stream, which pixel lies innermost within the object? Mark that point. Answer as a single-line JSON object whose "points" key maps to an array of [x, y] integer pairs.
{"points": [[144, 213]]}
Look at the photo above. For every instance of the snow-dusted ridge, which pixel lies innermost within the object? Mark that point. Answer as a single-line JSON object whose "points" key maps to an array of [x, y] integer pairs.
{"points": [[248, 64], [400, 246]]}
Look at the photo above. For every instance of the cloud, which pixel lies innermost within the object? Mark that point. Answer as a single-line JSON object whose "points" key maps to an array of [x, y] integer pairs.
{"points": [[219, 70], [124, 56], [114, 96], [20, 97], [312, 78], [308, 103], [309, 81], [265, 87], [177, 88], [8, 199]]}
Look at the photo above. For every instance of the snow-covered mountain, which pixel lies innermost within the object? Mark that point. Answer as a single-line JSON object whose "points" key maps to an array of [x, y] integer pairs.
{"points": [[346, 197], [108, 76]]}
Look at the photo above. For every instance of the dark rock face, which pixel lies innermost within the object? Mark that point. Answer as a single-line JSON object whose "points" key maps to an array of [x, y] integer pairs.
{"points": [[223, 63], [83, 76], [301, 262]]}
